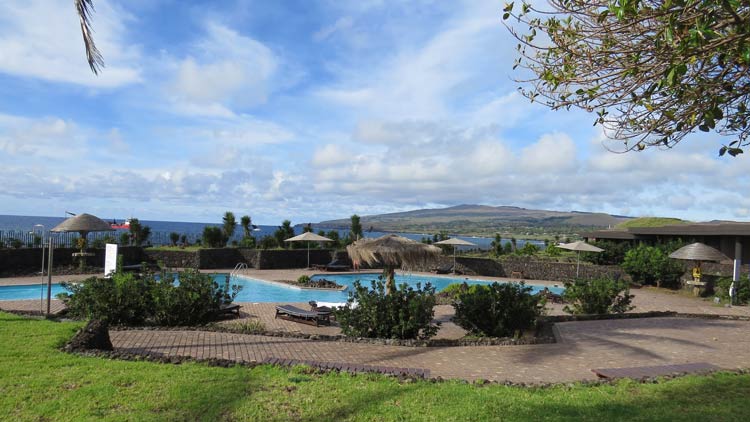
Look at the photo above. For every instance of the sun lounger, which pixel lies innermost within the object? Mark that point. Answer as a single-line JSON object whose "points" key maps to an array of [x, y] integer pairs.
{"points": [[338, 265], [444, 269], [295, 314], [230, 309]]}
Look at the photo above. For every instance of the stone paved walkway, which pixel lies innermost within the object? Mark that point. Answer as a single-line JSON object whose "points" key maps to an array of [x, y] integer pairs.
{"points": [[585, 345]]}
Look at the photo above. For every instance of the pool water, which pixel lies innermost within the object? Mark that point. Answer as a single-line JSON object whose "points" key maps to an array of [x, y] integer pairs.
{"points": [[254, 290], [262, 291]]}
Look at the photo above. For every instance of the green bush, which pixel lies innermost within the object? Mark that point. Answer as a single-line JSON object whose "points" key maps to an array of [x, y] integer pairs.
{"points": [[195, 299], [303, 279], [597, 296], [652, 265], [213, 237], [742, 288], [528, 249], [613, 253], [405, 313], [498, 310], [128, 299], [122, 299]]}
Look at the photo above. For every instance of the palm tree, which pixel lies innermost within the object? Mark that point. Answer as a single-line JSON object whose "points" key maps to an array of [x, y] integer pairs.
{"points": [[93, 56], [229, 224], [246, 222]]}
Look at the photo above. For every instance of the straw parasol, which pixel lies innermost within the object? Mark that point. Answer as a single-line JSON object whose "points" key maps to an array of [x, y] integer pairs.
{"points": [[698, 252], [454, 241], [308, 237], [83, 224], [392, 252], [579, 246]]}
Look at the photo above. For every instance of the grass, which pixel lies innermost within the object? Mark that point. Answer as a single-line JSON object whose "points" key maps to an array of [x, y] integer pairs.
{"points": [[176, 248], [651, 222], [38, 382]]}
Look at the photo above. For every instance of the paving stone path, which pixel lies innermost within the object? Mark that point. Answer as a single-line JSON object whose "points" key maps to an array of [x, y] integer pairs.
{"points": [[585, 345]]}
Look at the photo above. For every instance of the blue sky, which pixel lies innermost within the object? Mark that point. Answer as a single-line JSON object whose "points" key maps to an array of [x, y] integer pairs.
{"points": [[310, 110]]}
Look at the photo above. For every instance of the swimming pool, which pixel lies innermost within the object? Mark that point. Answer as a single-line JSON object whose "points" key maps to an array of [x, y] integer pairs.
{"points": [[254, 290]]}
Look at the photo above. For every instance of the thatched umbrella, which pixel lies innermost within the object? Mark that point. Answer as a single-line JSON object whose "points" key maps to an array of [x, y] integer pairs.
{"points": [[308, 237], [455, 242], [698, 252], [579, 246], [83, 224], [392, 252]]}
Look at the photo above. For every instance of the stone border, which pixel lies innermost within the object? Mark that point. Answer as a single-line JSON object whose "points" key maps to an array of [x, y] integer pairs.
{"points": [[489, 341], [403, 374]]}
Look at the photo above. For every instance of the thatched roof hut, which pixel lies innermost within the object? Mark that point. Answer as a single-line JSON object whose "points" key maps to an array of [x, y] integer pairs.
{"points": [[392, 251], [699, 252]]}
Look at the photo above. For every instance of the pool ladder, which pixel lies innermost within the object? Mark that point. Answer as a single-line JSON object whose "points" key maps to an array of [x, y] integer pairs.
{"points": [[238, 269]]}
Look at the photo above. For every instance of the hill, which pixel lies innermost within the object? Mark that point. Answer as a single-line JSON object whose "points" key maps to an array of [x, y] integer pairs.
{"points": [[483, 220]]}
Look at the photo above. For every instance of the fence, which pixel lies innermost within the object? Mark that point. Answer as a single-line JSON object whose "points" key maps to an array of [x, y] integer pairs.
{"points": [[28, 239]]}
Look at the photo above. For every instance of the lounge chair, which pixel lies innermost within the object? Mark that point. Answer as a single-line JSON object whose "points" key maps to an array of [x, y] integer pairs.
{"points": [[443, 269], [295, 314], [338, 265], [230, 309], [551, 297]]}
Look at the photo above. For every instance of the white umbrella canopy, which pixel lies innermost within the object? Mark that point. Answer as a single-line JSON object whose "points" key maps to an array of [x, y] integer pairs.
{"points": [[454, 241], [579, 246], [308, 237]]}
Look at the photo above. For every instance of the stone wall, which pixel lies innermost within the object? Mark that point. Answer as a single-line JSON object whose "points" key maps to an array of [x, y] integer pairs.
{"points": [[293, 258], [173, 259], [530, 268], [29, 260]]}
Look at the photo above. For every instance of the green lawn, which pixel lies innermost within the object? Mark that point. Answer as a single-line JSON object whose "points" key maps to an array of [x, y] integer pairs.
{"points": [[38, 382]]}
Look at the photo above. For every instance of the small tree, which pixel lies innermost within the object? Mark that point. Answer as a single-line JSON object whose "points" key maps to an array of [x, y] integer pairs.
{"points": [[213, 237], [246, 222], [403, 313], [285, 231], [528, 249], [597, 296], [651, 265], [229, 223], [356, 229], [174, 238], [138, 232], [496, 247], [497, 310]]}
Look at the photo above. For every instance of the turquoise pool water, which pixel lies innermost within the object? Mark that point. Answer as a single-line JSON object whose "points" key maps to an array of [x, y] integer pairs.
{"points": [[254, 290], [263, 291]]}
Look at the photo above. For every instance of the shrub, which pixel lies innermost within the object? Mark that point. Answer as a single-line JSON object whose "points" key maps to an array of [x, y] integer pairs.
{"points": [[131, 300], [303, 279], [652, 265], [742, 288], [196, 299], [498, 310], [174, 238], [405, 313], [528, 249], [597, 296], [121, 299], [268, 242], [613, 253], [213, 237], [247, 242]]}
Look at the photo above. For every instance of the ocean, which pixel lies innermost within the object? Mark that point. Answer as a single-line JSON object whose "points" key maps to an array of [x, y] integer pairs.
{"points": [[25, 228]]}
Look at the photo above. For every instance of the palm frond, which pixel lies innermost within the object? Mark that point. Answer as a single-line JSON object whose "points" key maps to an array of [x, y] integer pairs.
{"points": [[93, 56]]}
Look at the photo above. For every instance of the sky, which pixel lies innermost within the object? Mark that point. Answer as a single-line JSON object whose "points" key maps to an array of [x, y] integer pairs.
{"points": [[308, 111]]}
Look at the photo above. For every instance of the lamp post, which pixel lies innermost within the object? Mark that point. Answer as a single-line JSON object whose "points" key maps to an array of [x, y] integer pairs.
{"points": [[41, 292]]}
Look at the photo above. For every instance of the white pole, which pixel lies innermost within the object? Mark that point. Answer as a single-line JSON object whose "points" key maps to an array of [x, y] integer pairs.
{"points": [[308, 254], [578, 263], [454, 260], [49, 276]]}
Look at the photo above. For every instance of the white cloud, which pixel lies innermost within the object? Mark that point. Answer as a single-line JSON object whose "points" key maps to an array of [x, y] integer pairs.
{"points": [[551, 153], [341, 24], [329, 155], [42, 39], [227, 70]]}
